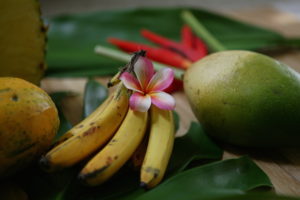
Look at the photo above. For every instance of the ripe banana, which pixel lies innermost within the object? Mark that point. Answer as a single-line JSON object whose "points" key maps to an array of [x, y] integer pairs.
{"points": [[159, 149], [115, 154], [92, 136], [115, 79], [84, 124]]}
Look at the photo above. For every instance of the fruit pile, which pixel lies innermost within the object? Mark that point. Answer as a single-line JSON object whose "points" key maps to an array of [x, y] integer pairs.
{"points": [[110, 136]]}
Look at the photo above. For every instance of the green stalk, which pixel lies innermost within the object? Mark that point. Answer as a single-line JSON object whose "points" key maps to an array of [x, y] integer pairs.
{"points": [[213, 44], [292, 42], [123, 57]]}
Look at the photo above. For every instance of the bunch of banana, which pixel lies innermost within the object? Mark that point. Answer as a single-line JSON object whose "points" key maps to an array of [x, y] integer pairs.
{"points": [[111, 136], [89, 135]]}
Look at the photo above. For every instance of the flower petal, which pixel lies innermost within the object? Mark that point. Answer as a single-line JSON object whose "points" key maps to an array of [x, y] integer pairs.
{"points": [[144, 71], [163, 100], [139, 102], [130, 82], [161, 80]]}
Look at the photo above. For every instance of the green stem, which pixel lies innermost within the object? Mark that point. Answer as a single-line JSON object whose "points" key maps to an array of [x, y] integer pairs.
{"points": [[123, 57], [292, 42], [213, 44]]}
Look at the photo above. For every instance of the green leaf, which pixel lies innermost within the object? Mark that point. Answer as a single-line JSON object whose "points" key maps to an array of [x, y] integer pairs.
{"points": [[233, 176], [125, 185], [254, 196], [94, 95], [64, 125], [72, 38], [82, 71], [194, 146], [40, 185]]}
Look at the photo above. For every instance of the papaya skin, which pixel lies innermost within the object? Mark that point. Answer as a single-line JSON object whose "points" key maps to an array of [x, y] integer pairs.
{"points": [[245, 99], [28, 123]]}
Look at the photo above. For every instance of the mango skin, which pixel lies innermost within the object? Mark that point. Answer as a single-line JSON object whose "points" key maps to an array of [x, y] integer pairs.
{"points": [[245, 99], [28, 123]]}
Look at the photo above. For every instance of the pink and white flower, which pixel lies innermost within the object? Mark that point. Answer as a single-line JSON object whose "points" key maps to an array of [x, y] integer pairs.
{"points": [[148, 86]]}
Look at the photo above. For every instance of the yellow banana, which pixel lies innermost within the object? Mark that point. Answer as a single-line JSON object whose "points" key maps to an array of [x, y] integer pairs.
{"points": [[84, 124], [119, 150], [159, 149], [115, 79], [90, 138]]}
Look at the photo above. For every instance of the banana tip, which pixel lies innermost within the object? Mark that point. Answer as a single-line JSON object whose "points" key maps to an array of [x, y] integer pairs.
{"points": [[143, 185], [81, 178], [44, 163], [109, 84]]}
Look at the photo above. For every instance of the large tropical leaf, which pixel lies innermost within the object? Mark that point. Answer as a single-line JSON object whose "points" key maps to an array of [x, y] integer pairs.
{"points": [[195, 145], [72, 38], [234, 176]]}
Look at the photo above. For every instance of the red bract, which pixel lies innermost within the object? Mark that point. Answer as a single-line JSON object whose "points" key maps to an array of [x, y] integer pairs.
{"points": [[157, 54], [177, 54]]}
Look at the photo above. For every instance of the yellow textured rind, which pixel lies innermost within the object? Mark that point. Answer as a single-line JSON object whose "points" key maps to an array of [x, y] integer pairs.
{"points": [[28, 123], [22, 40]]}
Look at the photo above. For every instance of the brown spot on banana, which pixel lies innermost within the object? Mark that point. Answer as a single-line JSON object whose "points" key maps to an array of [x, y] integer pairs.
{"points": [[112, 142], [90, 131], [80, 126], [92, 123], [153, 171], [109, 160]]}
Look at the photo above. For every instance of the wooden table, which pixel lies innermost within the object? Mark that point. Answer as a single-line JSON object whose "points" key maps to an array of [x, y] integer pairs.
{"points": [[282, 165]]}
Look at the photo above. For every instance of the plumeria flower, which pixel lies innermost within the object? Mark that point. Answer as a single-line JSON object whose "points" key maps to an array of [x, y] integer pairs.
{"points": [[148, 86]]}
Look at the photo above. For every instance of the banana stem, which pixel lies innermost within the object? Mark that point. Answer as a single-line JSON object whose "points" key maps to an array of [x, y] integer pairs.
{"points": [[123, 57], [213, 44]]}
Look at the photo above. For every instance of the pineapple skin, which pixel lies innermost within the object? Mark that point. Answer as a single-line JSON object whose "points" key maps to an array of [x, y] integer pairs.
{"points": [[22, 40]]}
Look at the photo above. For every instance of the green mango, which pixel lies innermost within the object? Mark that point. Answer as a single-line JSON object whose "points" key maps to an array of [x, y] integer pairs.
{"points": [[246, 99]]}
